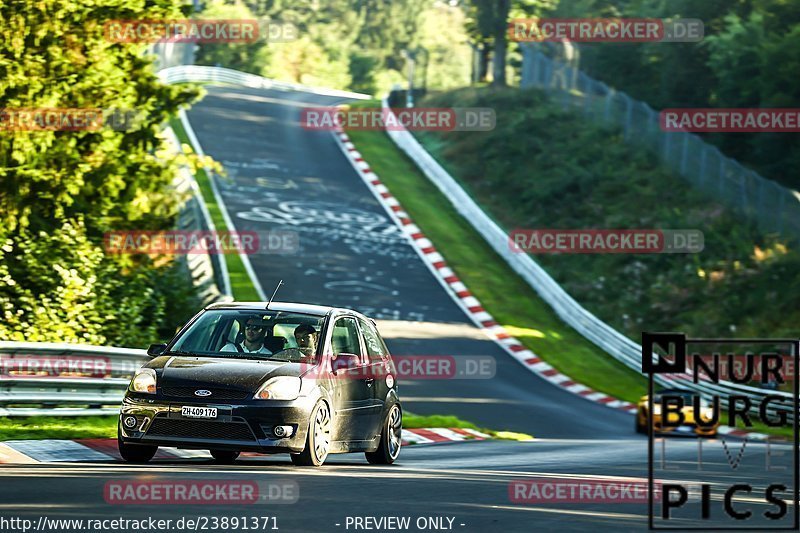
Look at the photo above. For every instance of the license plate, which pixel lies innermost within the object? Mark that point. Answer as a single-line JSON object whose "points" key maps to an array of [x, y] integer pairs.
{"points": [[198, 412]]}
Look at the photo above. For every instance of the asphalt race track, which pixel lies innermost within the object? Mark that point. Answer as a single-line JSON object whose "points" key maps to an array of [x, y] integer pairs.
{"points": [[285, 178]]}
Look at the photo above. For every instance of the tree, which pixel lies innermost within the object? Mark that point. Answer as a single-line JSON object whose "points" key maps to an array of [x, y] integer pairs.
{"points": [[246, 57], [500, 30], [60, 191], [487, 25]]}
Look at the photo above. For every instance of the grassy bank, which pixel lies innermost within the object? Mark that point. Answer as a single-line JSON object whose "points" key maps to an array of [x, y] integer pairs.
{"points": [[546, 167], [241, 285], [501, 291]]}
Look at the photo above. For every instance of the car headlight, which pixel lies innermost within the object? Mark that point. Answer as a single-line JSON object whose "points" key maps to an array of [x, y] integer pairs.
{"points": [[144, 381], [279, 388]]}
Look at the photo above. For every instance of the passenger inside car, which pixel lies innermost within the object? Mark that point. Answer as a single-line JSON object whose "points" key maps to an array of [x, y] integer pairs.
{"points": [[306, 337]]}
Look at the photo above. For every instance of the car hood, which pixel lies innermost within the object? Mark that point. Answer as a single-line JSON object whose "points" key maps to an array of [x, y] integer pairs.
{"points": [[242, 374]]}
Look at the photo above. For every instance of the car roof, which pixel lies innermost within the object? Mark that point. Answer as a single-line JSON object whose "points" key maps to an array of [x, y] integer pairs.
{"points": [[289, 307]]}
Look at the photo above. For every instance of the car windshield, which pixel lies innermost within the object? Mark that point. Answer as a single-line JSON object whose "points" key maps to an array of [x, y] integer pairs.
{"points": [[252, 334]]}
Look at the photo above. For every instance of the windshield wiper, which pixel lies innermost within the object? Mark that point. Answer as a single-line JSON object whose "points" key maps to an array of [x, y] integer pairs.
{"points": [[192, 354], [254, 355]]}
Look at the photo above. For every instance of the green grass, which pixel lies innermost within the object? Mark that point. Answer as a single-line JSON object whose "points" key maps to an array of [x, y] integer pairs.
{"points": [[412, 421], [98, 427], [506, 296], [53, 427], [241, 284], [546, 167]]}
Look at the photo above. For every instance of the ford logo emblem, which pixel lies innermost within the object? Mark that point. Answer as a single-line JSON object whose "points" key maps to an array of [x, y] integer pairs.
{"points": [[202, 392]]}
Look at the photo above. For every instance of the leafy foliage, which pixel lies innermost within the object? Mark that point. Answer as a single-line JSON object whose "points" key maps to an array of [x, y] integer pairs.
{"points": [[749, 57], [60, 191], [349, 44]]}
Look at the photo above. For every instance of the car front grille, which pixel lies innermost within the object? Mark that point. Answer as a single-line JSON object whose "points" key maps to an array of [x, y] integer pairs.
{"points": [[200, 429], [216, 394]]}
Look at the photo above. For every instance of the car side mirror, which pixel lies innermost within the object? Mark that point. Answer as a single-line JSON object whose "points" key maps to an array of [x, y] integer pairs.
{"points": [[343, 361], [156, 349]]}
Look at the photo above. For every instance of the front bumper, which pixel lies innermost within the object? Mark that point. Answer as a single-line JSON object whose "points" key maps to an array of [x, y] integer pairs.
{"points": [[240, 426]]}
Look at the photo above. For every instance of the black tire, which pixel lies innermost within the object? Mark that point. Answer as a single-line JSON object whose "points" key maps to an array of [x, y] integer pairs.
{"points": [[640, 428], [318, 439], [391, 439], [134, 453], [224, 457]]}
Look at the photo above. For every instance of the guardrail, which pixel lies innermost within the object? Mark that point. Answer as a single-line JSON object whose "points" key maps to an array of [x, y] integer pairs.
{"points": [[774, 207], [204, 74], [209, 272], [567, 308], [41, 378]]}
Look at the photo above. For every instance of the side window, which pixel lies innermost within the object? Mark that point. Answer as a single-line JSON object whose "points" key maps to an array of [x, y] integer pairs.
{"points": [[372, 340], [287, 332], [345, 337]]}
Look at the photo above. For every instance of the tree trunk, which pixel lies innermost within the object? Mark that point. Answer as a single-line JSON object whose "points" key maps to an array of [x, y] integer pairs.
{"points": [[483, 62], [500, 42]]}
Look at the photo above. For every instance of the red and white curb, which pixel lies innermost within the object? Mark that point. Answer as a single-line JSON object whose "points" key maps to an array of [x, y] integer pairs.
{"points": [[103, 450], [459, 292], [438, 435], [469, 304], [740, 433]]}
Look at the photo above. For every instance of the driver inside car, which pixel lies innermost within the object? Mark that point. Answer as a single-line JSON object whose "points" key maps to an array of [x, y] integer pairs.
{"points": [[306, 337], [255, 331]]}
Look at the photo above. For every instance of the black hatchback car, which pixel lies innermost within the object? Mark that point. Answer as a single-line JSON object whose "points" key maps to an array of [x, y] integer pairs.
{"points": [[294, 378]]}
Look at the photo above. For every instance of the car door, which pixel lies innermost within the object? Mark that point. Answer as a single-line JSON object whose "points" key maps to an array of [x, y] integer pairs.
{"points": [[377, 368], [352, 392]]}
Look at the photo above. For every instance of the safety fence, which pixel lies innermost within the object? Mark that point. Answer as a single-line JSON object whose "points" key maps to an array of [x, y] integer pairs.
{"points": [[204, 74], [584, 322], [774, 207], [209, 272]]}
